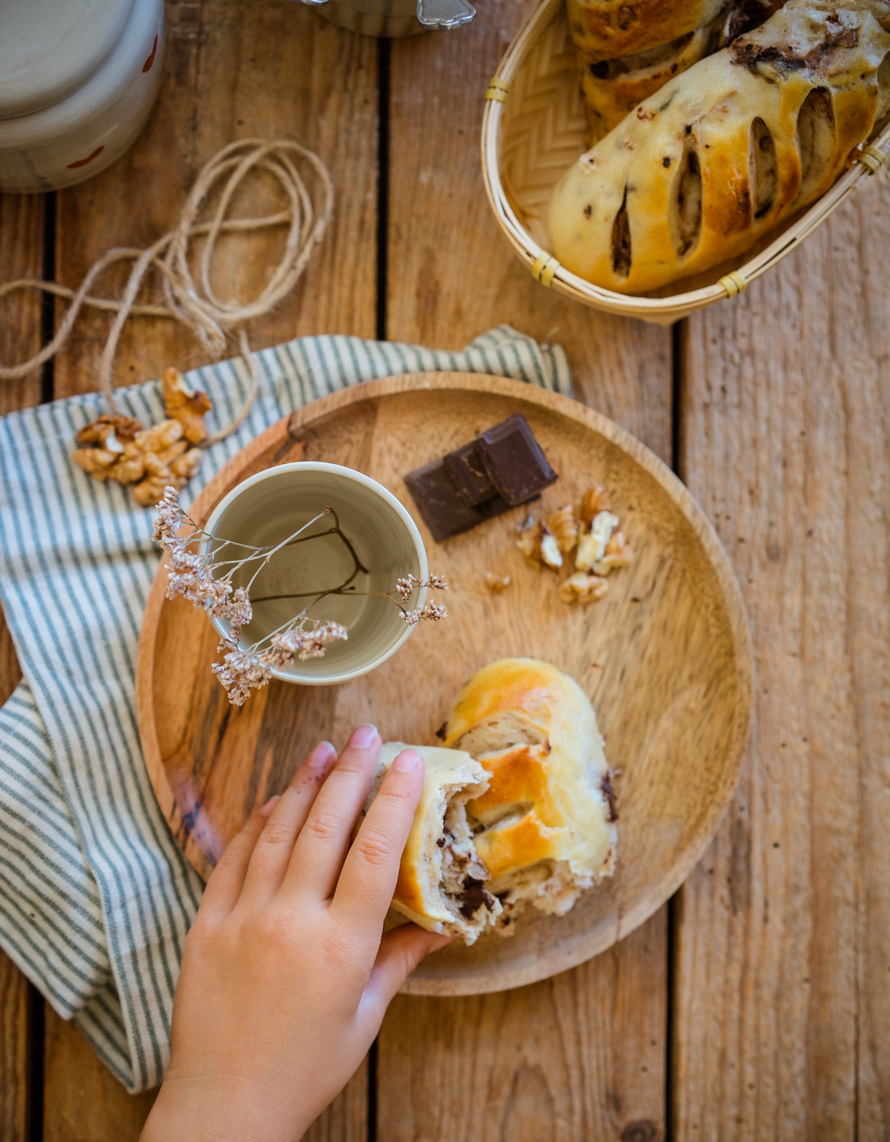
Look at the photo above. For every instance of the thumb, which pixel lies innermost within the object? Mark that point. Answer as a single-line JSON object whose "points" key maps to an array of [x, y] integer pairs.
{"points": [[401, 950]]}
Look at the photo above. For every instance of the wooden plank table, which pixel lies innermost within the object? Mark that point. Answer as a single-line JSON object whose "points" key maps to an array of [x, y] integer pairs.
{"points": [[756, 1004]]}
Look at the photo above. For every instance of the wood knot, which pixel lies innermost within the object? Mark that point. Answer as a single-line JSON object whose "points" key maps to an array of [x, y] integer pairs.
{"points": [[642, 1131]]}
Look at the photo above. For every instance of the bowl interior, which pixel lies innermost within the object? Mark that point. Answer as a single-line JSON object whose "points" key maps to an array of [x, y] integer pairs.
{"points": [[267, 510]]}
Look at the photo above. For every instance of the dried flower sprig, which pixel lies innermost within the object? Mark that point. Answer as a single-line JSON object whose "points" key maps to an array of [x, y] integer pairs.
{"points": [[206, 581]]}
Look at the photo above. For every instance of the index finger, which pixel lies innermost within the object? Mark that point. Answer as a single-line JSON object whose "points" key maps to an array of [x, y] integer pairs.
{"points": [[371, 869]]}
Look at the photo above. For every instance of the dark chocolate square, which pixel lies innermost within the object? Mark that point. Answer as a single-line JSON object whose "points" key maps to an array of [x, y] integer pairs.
{"points": [[467, 469], [515, 461], [444, 512]]}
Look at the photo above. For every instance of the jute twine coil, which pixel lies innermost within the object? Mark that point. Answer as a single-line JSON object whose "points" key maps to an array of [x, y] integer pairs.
{"points": [[188, 295]]}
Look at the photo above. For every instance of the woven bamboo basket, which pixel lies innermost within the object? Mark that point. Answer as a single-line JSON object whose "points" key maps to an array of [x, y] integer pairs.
{"points": [[533, 129]]}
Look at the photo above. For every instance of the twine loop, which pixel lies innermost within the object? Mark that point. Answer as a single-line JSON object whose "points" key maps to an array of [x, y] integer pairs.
{"points": [[189, 297]]}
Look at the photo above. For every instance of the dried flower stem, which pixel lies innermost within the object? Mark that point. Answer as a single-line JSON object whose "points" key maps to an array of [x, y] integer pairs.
{"points": [[195, 576]]}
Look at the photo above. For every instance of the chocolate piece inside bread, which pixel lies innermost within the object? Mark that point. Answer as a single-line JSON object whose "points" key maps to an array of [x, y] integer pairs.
{"points": [[442, 883]]}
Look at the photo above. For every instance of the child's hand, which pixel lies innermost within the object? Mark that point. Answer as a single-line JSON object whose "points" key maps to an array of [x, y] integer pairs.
{"points": [[285, 978]]}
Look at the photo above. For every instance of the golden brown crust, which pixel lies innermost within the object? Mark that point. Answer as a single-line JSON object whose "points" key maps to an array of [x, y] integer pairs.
{"points": [[514, 684], [613, 88], [520, 777], [534, 730], [607, 29], [676, 188]]}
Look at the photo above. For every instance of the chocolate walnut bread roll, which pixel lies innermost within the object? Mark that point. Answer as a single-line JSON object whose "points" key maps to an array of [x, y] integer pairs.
{"points": [[727, 151], [544, 828]]}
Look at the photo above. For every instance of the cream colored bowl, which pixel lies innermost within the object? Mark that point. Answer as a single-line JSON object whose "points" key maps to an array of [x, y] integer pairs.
{"points": [[267, 508]]}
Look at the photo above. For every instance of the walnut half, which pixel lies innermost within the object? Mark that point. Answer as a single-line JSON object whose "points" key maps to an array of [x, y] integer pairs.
{"points": [[564, 526], [583, 588], [185, 405]]}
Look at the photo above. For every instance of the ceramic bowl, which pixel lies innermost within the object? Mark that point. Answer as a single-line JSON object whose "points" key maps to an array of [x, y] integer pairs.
{"points": [[75, 89], [267, 508]]}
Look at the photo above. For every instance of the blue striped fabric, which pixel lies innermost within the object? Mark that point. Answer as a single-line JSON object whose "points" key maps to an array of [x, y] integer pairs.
{"points": [[95, 897]]}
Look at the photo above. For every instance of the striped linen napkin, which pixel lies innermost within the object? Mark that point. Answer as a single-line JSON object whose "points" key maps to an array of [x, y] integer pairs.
{"points": [[95, 896]]}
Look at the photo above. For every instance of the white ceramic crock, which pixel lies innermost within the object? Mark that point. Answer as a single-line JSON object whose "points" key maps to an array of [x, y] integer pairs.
{"points": [[78, 79]]}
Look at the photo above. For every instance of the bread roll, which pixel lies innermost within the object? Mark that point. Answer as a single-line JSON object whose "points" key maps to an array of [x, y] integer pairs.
{"points": [[608, 29], [724, 153], [441, 884], [614, 87], [544, 827]]}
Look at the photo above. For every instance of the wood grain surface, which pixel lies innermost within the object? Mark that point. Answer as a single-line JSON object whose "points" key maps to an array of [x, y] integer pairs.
{"points": [[675, 723], [721, 1019], [441, 238], [21, 255], [784, 930], [221, 82]]}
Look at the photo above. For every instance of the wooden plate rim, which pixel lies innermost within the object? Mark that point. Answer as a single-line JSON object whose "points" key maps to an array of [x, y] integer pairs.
{"points": [[291, 424]]}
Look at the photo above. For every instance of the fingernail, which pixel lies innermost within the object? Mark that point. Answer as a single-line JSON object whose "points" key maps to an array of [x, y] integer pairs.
{"points": [[270, 805], [364, 736], [407, 761], [321, 756]]}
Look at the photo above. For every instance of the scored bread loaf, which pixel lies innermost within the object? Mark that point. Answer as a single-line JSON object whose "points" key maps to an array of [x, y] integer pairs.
{"points": [[441, 883], [544, 827], [613, 87], [609, 29], [725, 152]]}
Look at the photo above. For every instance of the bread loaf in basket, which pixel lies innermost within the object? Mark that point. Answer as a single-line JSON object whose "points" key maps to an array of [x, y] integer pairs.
{"points": [[534, 129], [722, 154]]}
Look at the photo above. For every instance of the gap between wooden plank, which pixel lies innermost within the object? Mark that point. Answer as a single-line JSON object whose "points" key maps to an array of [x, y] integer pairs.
{"points": [[36, 1004], [22, 230], [36, 1046], [384, 62], [671, 997], [384, 57]]}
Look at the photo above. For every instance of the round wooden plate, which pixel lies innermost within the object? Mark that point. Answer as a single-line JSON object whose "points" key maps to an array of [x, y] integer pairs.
{"points": [[665, 657]]}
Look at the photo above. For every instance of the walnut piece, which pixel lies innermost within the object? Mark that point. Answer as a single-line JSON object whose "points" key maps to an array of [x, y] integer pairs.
{"points": [[618, 554], [496, 583], [187, 465], [172, 453], [529, 543], [151, 458], [185, 405], [159, 436], [590, 531], [95, 461], [108, 425], [564, 526], [583, 588], [129, 469], [594, 501], [551, 556], [592, 544], [150, 491]]}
